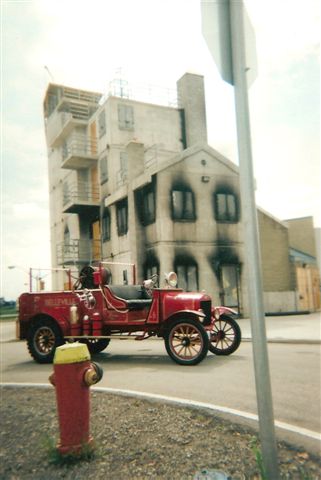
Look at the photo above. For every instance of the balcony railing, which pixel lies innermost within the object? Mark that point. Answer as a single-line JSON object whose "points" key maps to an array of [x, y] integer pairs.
{"points": [[79, 152], [80, 197], [60, 124], [122, 177], [81, 95], [155, 155], [78, 252], [143, 93]]}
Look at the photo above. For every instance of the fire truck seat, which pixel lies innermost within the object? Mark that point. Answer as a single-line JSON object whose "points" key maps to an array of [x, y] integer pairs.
{"points": [[135, 296]]}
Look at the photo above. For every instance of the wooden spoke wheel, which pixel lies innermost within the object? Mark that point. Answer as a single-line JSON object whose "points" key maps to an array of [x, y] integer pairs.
{"points": [[186, 342], [225, 337]]}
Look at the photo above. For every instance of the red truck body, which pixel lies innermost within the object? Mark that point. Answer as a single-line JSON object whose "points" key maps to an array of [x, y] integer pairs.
{"points": [[187, 321]]}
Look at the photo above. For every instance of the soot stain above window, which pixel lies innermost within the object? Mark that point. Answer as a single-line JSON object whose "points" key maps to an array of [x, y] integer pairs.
{"points": [[223, 256]]}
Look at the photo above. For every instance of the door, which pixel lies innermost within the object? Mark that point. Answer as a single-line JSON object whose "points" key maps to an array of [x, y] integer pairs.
{"points": [[93, 138], [96, 241], [230, 286], [307, 287], [94, 184]]}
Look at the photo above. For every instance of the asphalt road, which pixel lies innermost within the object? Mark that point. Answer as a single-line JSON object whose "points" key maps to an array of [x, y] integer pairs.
{"points": [[224, 381]]}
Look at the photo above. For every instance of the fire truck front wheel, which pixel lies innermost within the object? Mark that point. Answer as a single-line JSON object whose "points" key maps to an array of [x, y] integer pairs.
{"points": [[43, 338], [186, 341]]}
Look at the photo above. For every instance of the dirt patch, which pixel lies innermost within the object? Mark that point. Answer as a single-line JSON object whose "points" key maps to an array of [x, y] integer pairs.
{"points": [[135, 439]]}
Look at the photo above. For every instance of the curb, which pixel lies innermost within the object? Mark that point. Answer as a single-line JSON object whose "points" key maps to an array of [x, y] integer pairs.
{"points": [[184, 403], [293, 341]]}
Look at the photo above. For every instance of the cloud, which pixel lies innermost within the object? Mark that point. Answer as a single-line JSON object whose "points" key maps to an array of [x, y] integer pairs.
{"points": [[284, 29], [28, 211], [156, 42]]}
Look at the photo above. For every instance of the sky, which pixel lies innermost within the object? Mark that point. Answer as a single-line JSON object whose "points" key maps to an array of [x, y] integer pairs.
{"points": [[83, 43]]}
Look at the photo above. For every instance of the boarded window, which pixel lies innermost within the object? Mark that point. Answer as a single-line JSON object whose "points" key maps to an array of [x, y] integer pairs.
{"points": [[102, 123], [125, 117]]}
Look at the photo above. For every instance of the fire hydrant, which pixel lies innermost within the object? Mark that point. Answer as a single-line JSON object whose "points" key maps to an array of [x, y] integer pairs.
{"points": [[73, 374]]}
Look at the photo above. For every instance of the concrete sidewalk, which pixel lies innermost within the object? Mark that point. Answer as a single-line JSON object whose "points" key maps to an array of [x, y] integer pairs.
{"points": [[288, 328], [284, 328]]}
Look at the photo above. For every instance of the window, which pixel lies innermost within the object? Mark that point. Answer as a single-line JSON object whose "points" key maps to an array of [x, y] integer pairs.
{"points": [[105, 225], [149, 207], [65, 150], [125, 117], [146, 204], [225, 207], [103, 167], [187, 274], [102, 124], [151, 270], [122, 216], [123, 159], [183, 205], [66, 193], [66, 236]]}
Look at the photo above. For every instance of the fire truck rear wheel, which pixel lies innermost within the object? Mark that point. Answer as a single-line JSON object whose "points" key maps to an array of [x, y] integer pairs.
{"points": [[186, 341], [96, 345], [43, 339]]}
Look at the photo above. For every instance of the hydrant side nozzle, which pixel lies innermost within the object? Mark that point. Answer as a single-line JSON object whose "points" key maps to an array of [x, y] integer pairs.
{"points": [[52, 379], [93, 374]]}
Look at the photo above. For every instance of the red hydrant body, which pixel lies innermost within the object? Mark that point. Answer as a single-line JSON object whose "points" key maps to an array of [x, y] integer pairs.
{"points": [[72, 377]]}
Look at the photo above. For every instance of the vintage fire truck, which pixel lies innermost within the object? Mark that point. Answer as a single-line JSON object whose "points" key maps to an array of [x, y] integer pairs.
{"points": [[94, 311]]}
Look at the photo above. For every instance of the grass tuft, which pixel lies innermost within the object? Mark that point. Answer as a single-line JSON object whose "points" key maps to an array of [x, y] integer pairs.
{"points": [[87, 454]]}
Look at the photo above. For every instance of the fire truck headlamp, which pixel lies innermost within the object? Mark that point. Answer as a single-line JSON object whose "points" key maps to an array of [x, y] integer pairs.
{"points": [[171, 279]]}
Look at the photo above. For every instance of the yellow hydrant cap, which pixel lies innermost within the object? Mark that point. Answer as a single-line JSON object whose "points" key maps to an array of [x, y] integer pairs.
{"points": [[71, 353]]}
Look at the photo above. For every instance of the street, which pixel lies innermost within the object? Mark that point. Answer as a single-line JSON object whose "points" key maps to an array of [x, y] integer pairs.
{"points": [[224, 381]]}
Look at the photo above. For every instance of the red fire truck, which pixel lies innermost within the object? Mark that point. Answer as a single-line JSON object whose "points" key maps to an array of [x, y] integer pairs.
{"points": [[94, 311]]}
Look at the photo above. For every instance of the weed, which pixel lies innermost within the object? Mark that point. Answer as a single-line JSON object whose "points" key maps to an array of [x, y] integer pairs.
{"points": [[304, 475], [258, 456], [56, 458]]}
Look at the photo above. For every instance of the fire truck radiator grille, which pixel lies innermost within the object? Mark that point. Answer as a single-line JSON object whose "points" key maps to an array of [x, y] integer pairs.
{"points": [[206, 306]]}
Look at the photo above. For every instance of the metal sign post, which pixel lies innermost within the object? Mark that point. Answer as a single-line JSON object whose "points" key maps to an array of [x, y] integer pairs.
{"points": [[232, 11]]}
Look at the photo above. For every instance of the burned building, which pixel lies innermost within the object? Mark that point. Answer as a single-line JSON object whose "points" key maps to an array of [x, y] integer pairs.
{"points": [[135, 181]]}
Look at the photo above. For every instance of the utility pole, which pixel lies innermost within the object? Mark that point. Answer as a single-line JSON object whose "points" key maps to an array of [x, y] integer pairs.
{"points": [[223, 24]]}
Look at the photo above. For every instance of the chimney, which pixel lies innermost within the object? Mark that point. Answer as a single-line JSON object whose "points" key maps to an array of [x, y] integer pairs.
{"points": [[191, 95]]}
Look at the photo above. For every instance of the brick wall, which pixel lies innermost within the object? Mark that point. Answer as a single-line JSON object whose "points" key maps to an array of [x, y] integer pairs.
{"points": [[274, 244]]}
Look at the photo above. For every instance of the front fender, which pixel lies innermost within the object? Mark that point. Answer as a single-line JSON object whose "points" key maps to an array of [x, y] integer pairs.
{"points": [[181, 313], [184, 314], [221, 310]]}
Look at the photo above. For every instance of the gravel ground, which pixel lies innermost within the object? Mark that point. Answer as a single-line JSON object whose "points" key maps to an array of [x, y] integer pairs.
{"points": [[135, 439]]}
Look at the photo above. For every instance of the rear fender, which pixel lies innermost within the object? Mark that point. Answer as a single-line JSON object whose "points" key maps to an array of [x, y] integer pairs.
{"points": [[63, 325]]}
